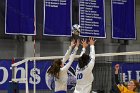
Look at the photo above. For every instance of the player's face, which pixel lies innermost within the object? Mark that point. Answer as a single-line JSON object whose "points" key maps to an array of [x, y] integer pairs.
{"points": [[131, 85]]}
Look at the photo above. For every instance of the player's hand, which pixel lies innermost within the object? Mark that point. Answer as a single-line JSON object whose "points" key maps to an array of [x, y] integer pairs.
{"points": [[91, 41], [72, 43], [84, 43], [117, 67], [77, 43]]}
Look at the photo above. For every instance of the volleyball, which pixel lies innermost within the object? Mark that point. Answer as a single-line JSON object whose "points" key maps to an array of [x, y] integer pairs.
{"points": [[76, 29]]}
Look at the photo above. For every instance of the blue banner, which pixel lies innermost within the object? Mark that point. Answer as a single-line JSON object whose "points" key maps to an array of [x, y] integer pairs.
{"points": [[57, 17], [20, 17], [41, 75], [92, 18], [128, 71], [123, 19]]}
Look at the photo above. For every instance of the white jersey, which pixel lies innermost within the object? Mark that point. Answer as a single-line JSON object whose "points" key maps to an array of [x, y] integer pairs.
{"points": [[85, 76], [61, 83]]}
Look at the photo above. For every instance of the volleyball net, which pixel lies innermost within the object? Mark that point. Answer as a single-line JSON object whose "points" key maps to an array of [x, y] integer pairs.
{"points": [[33, 79]]}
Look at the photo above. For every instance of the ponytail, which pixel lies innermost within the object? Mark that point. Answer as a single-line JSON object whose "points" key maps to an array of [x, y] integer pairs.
{"points": [[55, 68]]}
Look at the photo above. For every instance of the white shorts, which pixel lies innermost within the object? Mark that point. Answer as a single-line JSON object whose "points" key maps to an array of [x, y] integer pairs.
{"points": [[83, 88]]}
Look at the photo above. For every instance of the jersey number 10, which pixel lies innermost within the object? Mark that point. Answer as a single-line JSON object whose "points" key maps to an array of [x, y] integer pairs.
{"points": [[79, 76]]}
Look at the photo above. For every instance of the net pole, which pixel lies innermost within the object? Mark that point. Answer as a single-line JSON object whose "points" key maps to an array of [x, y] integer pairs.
{"points": [[34, 73], [34, 56], [13, 69], [26, 67]]}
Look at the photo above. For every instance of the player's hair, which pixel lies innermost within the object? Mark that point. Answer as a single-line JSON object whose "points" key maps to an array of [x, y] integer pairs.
{"points": [[83, 60], [55, 68], [136, 84]]}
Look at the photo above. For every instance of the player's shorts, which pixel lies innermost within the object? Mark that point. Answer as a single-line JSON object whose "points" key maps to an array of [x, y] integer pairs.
{"points": [[60, 92], [83, 88]]}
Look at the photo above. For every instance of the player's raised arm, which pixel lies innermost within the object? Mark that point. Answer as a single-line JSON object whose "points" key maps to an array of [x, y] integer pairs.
{"points": [[92, 52], [117, 67], [67, 55], [84, 44], [72, 56], [92, 49]]}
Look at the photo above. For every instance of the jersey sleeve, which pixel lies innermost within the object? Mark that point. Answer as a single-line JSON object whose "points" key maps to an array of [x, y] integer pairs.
{"points": [[92, 57], [67, 54], [82, 52], [122, 88], [71, 59]]}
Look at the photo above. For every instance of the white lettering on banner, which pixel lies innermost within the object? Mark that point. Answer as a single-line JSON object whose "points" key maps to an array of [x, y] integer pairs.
{"points": [[55, 3], [124, 77], [5, 75], [48, 80], [138, 75], [37, 77], [129, 75], [22, 73]]}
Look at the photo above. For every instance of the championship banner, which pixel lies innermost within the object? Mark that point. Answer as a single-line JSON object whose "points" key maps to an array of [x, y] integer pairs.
{"points": [[92, 18], [57, 17], [20, 17], [128, 71], [123, 19], [42, 79]]}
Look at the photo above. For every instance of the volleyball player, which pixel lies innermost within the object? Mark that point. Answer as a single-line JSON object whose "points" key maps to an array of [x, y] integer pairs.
{"points": [[131, 86], [59, 70], [84, 68]]}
